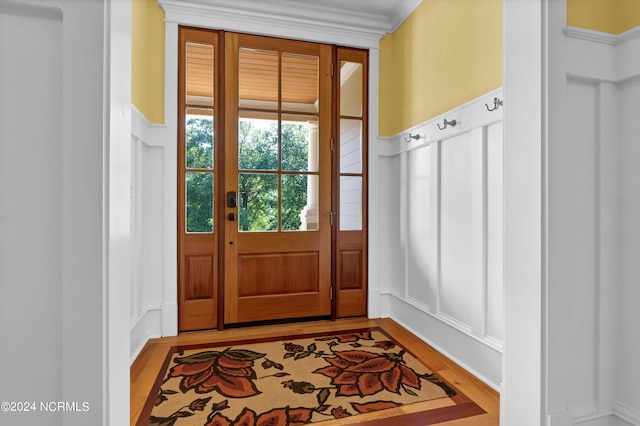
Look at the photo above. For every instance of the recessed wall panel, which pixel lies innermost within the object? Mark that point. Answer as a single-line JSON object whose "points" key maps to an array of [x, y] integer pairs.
{"points": [[461, 284], [391, 251], [574, 170], [421, 241], [495, 224]]}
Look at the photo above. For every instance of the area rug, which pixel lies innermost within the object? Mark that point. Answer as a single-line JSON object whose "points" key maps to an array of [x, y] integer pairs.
{"points": [[289, 382]]}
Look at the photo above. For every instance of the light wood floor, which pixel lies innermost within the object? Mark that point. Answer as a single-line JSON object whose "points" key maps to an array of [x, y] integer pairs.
{"points": [[146, 367]]}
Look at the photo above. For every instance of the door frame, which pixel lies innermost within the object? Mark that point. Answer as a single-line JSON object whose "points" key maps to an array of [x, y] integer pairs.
{"points": [[167, 318]]}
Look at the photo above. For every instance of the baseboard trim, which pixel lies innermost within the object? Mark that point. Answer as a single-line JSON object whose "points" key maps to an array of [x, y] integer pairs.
{"points": [[145, 326], [430, 329], [626, 413]]}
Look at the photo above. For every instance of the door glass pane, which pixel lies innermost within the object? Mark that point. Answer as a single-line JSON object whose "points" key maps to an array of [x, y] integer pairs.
{"points": [[258, 141], [199, 74], [350, 89], [199, 138], [199, 203], [299, 143], [350, 146], [258, 79], [299, 83], [258, 202], [350, 203], [299, 202]]}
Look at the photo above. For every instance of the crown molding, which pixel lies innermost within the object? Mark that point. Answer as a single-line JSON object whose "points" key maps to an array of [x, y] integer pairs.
{"points": [[601, 37], [305, 20], [403, 10]]}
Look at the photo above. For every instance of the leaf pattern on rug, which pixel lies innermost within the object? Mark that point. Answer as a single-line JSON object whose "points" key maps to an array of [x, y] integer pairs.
{"points": [[277, 416], [229, 372], [365, 373], [335, 376]]}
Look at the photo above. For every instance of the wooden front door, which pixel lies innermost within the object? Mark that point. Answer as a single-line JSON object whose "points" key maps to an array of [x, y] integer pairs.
{"points": [[278, 168], [272, 180]]}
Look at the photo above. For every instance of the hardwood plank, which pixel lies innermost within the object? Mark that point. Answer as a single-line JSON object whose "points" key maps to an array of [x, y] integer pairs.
{"points": [[474, 395]]}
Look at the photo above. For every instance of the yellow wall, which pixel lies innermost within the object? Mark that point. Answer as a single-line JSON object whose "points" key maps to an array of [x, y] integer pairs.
{"points": [[609, 16], [147, 67], [446, 53]]}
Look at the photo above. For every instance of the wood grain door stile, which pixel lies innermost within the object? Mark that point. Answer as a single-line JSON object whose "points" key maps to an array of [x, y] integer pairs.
{"points": [[198, 253], [277, 274]]}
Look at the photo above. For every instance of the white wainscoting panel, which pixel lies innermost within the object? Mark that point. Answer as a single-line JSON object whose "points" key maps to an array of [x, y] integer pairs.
{"points": [[422, 241], [573, 242], [593, 342], [148, 232], [391, 251], [441, 234], [461, 230], [494, 172]]}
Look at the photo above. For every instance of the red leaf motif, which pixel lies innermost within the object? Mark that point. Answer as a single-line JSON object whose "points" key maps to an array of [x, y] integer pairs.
{"points": [[199, 404], [224, 361], [348, 390], [375, 365], [356, 356], [275, 417], [246, 418], [373, 406], [345, 378], [339, 413], [369, 384], [220, 405], [391, 379], [300, 415], [218, 420], [338, 362], [237, 372], [330, 371], [409, 377], [190, 369]]}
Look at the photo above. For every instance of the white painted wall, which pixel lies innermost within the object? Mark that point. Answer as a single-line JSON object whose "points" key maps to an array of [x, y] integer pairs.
{"points": [[441, 222], [31, 234], [627, 314], [64, 215], [592, 326]]}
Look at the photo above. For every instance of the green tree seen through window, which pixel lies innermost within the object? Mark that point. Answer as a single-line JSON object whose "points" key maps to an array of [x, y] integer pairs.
{"points": [[259, 194]]}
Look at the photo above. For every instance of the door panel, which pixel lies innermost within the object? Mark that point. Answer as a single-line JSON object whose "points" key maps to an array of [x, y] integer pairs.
{"points": [[351, 238], [198, 180], [278, 159]]}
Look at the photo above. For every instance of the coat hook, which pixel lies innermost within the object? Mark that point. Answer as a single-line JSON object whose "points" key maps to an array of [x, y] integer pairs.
{"points": [[416, 137], [451, 123], [496, 104]]}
